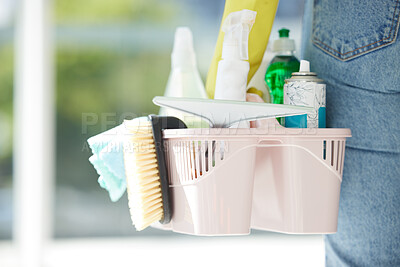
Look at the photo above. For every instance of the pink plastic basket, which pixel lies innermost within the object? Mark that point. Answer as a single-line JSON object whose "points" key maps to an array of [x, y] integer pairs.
{"points": [[227, 181]]}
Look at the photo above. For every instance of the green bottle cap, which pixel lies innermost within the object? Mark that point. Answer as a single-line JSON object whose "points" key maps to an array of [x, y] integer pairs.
{"points": [[283, 33]]}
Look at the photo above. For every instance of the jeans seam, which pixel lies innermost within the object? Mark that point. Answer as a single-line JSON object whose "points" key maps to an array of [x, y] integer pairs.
{"points": [[320, 43], [350, 57]]}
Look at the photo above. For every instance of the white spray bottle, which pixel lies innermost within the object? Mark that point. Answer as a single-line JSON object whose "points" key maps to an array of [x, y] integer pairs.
{"points": [[233, 68], [184, 79]]}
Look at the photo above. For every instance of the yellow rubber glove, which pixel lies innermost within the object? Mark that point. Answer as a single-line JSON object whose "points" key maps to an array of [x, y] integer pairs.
{"points": [[258, 38]]}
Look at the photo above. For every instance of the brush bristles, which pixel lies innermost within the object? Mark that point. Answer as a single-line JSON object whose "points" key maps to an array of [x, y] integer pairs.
{"points": [[143, 180]]}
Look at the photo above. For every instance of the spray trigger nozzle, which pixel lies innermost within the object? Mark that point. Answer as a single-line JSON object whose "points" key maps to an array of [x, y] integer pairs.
{"points": [[236, 27]]}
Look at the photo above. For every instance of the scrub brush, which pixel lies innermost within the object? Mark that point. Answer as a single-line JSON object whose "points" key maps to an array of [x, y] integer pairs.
{"points": [[145, 168]]}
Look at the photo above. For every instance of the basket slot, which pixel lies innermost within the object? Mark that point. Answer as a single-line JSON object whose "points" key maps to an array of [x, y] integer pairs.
{"points": [[328, 153], [210, 155], [168, 161], [222, 149], [339, 150], [192, 162], [184, 161], [178, 162], [197, 155], [181, 161], [174, 164], [219, 147], [333, 150], [175, 168], [171, 164], [217, 153], [342, 160], [203, 157], [187, 161], [214, 147], [324, 149]]}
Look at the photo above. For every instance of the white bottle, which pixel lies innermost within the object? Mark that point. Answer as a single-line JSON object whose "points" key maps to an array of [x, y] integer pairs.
{"points": [[233, 68], [184, 79]]}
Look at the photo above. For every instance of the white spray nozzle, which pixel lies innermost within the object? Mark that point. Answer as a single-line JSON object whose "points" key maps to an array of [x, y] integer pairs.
{"points": [[304, 66], [183, 51], [236, 27], [183, 40]]}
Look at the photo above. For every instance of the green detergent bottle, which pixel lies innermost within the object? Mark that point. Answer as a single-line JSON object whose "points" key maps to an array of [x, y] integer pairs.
{"points": [[281, 66]]}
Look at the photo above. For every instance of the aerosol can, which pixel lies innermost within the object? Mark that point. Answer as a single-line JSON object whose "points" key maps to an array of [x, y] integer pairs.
{"points": [[304, 88]]}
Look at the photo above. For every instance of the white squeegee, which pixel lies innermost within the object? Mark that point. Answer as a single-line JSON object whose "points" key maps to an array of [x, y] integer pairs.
{"points": [[224, 113]]}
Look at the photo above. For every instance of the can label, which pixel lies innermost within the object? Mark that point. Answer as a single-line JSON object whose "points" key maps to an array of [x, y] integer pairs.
{"points": [[309, 94]]}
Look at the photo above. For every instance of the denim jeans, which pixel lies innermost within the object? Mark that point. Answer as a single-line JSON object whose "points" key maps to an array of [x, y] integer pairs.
{"points": [[353, 46]]}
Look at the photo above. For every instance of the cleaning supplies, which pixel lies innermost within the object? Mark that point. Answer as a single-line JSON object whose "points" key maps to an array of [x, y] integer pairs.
{"points": [[258, 37], [145, 168], [184, 79], [224, 113], [305, 89], [233, 68], [281, 66], [108, 161]]}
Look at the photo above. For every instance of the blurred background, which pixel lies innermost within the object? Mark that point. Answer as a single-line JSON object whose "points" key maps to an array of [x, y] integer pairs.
{"points": [[111, 58]]}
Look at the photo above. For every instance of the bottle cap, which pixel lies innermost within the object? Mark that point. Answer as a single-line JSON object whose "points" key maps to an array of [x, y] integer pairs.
{"points": [[183, 52], [283, 43], [283, 33]]}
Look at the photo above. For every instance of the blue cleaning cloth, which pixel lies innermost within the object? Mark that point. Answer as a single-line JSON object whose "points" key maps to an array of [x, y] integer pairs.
{"points": [[108, 160]]}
